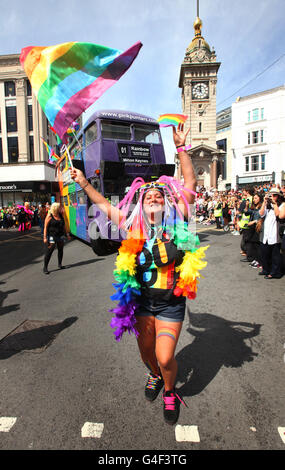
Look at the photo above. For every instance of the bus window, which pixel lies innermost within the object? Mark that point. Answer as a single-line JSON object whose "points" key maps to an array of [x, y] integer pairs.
{"points": [[91, 134], [147, 134], [72, 199], [81, 197], [115, 130], [96, 183], [92, 211], [62, 165], [76, 147]]}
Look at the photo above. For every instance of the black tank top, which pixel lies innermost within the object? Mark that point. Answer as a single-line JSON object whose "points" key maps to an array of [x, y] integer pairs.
{"points": [[56, 227]]}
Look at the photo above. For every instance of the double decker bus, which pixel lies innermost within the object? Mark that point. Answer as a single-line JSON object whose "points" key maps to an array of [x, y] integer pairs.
{"points": [[112, 149]]}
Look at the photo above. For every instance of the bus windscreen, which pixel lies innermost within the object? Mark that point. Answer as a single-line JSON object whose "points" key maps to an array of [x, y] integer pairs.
{"points": [[149, 134], [115, 130]]}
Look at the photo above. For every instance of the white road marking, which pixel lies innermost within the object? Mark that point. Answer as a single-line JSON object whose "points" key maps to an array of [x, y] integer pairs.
{"points": [[187, 433], [282, 433], [6, 424], [92, 430]]}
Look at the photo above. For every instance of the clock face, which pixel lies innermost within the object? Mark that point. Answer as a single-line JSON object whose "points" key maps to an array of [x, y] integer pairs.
{"points": [[200, 90]]}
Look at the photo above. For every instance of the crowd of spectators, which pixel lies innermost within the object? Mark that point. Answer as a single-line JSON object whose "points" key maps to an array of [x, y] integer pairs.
{"points": [[257, 215], [14, 216]]}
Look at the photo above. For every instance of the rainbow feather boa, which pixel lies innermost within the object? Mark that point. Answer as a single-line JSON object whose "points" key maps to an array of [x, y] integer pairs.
{"points": [[128, 288]]}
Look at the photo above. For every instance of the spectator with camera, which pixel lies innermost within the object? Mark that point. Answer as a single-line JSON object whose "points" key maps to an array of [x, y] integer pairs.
{"points": [[272, 210]]}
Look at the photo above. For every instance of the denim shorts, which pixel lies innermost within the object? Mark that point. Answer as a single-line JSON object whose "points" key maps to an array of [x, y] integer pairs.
{"points": [[171, 312]]}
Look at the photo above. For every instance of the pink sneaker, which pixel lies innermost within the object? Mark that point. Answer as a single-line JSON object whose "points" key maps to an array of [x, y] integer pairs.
{"points": [[171, 406]]}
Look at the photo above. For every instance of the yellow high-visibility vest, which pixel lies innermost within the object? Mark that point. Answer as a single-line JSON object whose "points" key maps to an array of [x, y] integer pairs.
{"points": [[218, 212], [243, 223]]}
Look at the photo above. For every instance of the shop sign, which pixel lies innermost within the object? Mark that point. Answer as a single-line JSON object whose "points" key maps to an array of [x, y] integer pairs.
{"points": [[255, 179], [26, 187], [8, 187]]}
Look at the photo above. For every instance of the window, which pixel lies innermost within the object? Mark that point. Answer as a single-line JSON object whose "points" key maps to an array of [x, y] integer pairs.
{"points": [[10, 89], [255, 137], [72, 199], [263, 161], [30, 117], [29, 88], [255, 114], [255, 163], [31, 145], [11, 117], [13, 152], [1, 152], [81, 197], [75, 149], [115, 130], [200, 127], [261, 113], [147, 134], [91, 134], [248, 116], [246, 163], [96, 183]]}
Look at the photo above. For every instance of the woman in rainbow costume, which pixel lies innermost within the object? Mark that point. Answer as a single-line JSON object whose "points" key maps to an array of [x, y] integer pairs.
{"points": [[157, 268]]}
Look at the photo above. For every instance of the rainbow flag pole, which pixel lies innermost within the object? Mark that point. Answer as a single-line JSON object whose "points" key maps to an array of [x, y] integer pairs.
{"points": [[65, 149]]}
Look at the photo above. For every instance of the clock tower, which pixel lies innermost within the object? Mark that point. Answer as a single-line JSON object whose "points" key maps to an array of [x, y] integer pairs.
{"points": [[198, 80]]}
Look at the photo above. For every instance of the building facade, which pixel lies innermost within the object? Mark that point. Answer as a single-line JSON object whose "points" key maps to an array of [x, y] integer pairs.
{"points": [[258, 138], [25, 173], [198, 81]]}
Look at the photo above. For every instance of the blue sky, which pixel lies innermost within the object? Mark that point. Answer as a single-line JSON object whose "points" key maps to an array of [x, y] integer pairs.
{"points": [[248, 36]]}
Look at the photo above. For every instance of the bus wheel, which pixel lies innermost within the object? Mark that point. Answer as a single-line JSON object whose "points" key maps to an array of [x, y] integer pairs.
{"points": [[102, 247]]}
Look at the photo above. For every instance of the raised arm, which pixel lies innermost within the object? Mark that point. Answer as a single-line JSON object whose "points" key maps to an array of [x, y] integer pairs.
{"points": [[190, 182], [112, 212]]}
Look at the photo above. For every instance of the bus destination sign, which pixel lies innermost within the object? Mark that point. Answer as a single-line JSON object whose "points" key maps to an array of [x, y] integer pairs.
{"points": [[130, 153]]}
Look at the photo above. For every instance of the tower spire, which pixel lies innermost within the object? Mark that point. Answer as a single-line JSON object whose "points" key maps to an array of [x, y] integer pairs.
{"points": [[198, 23]]}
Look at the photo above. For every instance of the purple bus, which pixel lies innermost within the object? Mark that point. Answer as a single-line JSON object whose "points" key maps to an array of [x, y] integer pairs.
{"points": [[112, 149]]}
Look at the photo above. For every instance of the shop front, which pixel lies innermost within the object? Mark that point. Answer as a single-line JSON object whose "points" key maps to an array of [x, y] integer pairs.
{"points": [[32, 191], [259, 180]]}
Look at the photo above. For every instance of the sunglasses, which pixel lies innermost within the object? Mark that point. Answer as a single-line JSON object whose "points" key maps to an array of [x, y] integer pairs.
{"points": [[153, 185]]}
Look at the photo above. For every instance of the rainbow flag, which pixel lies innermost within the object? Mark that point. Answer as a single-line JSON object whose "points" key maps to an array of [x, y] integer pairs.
{"points": [[73, 128], [70, 77], [59, 141], [166, 120], [53, 157]]}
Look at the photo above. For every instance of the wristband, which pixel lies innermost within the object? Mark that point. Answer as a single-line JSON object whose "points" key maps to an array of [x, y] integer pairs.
{"points": [[83, 187], [183, 148]]}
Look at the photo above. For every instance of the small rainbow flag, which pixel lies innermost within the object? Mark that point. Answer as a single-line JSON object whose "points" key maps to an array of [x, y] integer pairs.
{"points": [[53, 157], [70, 77], [166, 120], [73, 128]]}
